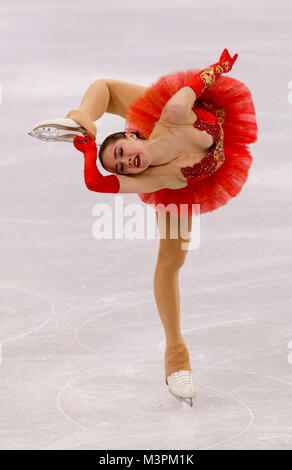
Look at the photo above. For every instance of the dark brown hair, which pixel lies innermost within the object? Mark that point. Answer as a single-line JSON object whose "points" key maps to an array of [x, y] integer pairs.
{"points": [[112, 138]]}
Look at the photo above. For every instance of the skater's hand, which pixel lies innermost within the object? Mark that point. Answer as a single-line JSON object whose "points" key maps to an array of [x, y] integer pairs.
{"points": [[226, 61], [85, 144], [83, 117]]}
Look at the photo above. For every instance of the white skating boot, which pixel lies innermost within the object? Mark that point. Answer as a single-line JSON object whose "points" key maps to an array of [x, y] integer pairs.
{"points": [[181, 386], [56, 130]]}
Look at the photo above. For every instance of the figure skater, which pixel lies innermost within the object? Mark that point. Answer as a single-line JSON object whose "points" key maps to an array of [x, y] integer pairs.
{"points": [[185, 142]]}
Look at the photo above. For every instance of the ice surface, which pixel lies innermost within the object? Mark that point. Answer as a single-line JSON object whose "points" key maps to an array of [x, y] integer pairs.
{"points": [[82, 342]]}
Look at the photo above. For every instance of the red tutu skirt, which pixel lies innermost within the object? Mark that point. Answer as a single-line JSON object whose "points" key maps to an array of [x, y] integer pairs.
{"points": [[240, 129]]}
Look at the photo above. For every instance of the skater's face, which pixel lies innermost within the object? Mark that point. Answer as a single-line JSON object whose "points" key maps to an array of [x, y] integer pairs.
{"points": [[126, 156]]}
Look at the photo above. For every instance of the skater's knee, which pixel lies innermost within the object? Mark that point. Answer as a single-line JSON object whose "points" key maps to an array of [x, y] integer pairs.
{"points": [[171, 260]]}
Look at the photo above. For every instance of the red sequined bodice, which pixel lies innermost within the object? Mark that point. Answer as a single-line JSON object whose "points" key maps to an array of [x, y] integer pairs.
{"points": [[209, 119]]}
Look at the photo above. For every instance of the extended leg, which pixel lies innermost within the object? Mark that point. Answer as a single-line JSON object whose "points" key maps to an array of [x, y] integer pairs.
{"points": [[103, 96], [171, 258]]}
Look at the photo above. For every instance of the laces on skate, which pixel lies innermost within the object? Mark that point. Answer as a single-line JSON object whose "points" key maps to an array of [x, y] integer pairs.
{"points": [[183, 376]]}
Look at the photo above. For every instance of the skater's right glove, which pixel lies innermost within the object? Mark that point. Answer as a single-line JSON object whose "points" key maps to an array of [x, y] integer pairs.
{"points": [[208, 76], [94, 180]]}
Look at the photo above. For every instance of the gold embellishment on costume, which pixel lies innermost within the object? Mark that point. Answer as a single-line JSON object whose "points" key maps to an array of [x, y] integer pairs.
{"points": [[219, 70], [207, 105], [220, 114], [219, 150], [226, 65], [208, 77]]}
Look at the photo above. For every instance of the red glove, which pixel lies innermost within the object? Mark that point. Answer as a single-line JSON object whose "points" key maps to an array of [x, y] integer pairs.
{"points": [[208, 76], [94, 180]]}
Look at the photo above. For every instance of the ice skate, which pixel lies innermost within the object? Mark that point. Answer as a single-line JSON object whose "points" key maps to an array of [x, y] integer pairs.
{"points": [[178, 372], [181, 386], [58, 130]]}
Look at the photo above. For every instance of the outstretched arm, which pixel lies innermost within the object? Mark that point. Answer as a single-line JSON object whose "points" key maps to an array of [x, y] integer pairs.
{"points": [[209, 75], [180, 105]]}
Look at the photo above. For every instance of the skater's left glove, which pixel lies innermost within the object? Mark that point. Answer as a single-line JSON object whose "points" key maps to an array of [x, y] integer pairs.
{"points": [[94, 180], [226, 61], [208, 76]]}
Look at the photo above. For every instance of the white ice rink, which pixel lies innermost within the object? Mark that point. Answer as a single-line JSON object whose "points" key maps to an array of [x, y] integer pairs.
{"points": [[82, 362]]}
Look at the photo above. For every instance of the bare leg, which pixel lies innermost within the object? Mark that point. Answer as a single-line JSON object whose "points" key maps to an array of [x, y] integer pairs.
{"points": [[93, 105], [166, 290], [105, 96]]}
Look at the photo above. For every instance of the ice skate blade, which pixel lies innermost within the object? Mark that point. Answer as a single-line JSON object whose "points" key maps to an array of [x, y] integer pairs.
{"points": [[189, 401], [54, 135], [57, 130]]}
